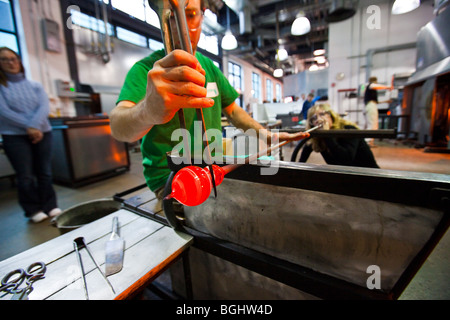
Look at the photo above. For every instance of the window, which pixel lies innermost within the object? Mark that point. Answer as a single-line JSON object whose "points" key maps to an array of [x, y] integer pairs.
{"points": [[134, 8], [269, 90], [132, 37], [138, 9], [210, 15], [8, 32], [278, 92], [234, 77], [151, 17], [140, 13], [88, 22], [209, 43], [208, 39], [155, 45], [9, 40], [256, 86]]}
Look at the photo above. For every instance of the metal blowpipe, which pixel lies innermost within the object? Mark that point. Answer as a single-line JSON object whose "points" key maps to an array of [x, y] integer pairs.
{"points": [[164, 9]]}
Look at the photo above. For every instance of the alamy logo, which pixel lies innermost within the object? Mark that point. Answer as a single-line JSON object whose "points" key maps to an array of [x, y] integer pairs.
{"points": [[373, 281], [216, 148], [374, 20], [69, 22]]}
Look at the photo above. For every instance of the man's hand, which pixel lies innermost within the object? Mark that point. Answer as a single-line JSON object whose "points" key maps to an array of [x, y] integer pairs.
{"points": [[35, 135], [242, 120], [283, 136], [176, 81]]}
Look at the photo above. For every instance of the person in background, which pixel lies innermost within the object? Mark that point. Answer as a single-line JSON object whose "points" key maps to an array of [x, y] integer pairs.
{"points": [[158, 85], [307, 105], [371, 103], [309, 102], [27, 137], [336, 151]]}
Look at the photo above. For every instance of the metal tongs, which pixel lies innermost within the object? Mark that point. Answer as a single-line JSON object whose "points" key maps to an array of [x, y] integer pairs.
{"points": [[78, 244], [164, 8]]}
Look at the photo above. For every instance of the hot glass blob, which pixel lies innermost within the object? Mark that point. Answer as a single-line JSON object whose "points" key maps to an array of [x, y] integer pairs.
{"points": [[192, 185]]}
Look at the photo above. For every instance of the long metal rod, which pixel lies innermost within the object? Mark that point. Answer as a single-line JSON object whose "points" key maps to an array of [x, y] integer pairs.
{"points": [[267, 151], [96, 265], [79, 243], [167, 37], [75, 245], [162, 8], [178, 7], [350, 133]]}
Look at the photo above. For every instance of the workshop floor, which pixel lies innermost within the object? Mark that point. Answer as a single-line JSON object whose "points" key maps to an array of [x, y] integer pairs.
{"points": [[18, 234]]}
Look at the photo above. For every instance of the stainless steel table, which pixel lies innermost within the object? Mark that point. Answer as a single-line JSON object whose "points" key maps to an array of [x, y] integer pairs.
{"points": [[150, 248]]}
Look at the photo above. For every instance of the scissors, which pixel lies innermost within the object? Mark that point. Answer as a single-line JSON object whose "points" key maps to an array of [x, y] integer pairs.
{"points": [[13, 280]]}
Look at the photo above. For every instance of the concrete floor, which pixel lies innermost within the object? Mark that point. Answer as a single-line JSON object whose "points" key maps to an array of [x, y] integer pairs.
{"points": [[18, 234]]}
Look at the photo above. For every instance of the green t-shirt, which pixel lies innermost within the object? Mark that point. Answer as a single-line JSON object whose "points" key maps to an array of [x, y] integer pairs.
{"points": [[157, 142]]}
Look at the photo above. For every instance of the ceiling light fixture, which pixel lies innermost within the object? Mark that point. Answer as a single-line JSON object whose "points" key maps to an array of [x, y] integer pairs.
{"points": [[313, 67], [278, 73], [229, 42], [281, 54], [320, 60], [404, 6], [319, 52], [301, 25]]}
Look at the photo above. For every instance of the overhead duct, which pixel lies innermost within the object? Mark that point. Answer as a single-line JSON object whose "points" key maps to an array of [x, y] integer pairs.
{"points": [[433, 49], [371, 52], [245, 21], [340, 10], [243, 9], [440, 5]]}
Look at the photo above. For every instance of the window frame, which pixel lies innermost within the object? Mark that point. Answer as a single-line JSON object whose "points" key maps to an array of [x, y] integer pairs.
{"points": [[15, 32], [269, 90], [256, 86], [234, 76], [278, 94], [125, 20]]}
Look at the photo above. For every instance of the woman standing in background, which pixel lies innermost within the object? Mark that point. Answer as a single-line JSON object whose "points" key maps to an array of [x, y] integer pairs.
{"points": [[27, 137]]}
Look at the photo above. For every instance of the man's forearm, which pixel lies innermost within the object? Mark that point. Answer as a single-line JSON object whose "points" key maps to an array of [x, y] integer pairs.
{"points": [[242, 120], [128, 123]]}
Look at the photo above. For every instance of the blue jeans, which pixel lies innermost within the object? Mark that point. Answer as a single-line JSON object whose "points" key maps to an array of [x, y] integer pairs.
{"points": [[33, 166]]}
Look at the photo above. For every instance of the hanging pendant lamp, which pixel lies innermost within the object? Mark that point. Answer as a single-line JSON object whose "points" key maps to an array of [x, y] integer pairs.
{"points": [[229, 41], [301, 25], [281, 54], [404, 6]]}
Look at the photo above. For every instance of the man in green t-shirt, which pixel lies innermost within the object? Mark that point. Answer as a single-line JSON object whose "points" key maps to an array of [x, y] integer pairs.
{"points": [[158, 85]]}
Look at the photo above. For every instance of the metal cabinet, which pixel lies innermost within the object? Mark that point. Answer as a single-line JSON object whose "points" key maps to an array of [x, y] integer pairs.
{"points": [[84, 151]]}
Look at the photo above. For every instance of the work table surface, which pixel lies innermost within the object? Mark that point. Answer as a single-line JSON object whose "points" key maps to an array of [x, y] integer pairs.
{"points": [[149, 248]]}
